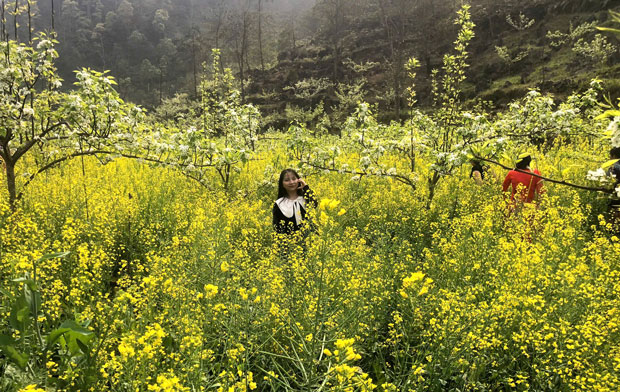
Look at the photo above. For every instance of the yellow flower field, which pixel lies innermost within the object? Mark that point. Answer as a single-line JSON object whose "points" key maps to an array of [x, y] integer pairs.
{"points": [[171, 286]]}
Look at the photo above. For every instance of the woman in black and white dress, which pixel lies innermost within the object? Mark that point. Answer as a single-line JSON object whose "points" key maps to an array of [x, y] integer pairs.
{"points": [[295, 197]]}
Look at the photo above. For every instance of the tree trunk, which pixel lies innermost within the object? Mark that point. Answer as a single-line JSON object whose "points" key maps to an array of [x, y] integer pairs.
{"points": [[3, 34], [29, 24], [243, 55], [53, 27], [397, 91], [260, 35], [161, 82], [338, 25], [336, 62], [193, 33], [15, 13], [10, 183]]}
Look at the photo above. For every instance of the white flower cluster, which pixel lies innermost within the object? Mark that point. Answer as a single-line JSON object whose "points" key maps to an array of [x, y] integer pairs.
{"points": [[598, 175], [615, 132], [28, 111]]}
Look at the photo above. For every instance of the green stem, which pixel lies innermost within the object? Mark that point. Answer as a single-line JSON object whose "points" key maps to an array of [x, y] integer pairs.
{"points": [[36, 305]]}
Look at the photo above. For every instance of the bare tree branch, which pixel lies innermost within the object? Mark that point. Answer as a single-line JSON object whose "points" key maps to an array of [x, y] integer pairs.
{"points": [[559, 182]]}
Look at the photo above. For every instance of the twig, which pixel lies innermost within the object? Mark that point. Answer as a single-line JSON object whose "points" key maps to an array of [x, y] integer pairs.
{"points": [[397, 177]]}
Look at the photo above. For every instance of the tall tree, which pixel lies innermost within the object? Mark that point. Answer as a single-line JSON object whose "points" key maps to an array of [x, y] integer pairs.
{"points": [[260, 23], [238, 30], [332, 15], [394, 21]]}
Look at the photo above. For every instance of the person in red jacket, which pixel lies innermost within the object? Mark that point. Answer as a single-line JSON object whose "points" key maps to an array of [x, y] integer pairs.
{"points": [[525, 187]]}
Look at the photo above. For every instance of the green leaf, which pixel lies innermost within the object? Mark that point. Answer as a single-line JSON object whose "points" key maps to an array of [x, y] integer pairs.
{"points": [[32, 297], [6, 340], [23, 279], [35, 302], [53, 256], [5, 293], [27, 282], [55, 334], [608, 113], [609, 29], [74, 335], [20, 312], [7, 347], [23, 314], [508, 160], [83, 347]]}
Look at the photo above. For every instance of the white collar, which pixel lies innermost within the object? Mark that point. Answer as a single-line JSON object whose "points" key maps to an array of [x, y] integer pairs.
{"points": [[291, 208]]}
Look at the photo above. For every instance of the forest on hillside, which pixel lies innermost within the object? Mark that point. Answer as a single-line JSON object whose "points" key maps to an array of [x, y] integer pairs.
{"points": [[316, 59]]}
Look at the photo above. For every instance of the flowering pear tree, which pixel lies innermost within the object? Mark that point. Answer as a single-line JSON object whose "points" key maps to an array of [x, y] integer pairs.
{"points": [[375, 146], [197, 151], [220, 140], [42, 126], [538, 120], [391, 151], [229, 126]]}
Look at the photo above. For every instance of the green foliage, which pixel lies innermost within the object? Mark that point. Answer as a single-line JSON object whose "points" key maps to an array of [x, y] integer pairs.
{"points": [[538, 120], [27, 345], [311, 88], [223, 140], [598, 50], [522, 23], [411, 66], [218, 93], [53, 127], [314, 117], [442, 136], [559, 38], [611, 110], [350, 93], [179, 110], [595, 49], [445, 137], [453, 69], [503, 53], [323, 117]]}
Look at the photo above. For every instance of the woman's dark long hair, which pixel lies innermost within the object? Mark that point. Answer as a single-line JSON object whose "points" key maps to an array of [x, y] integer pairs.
{"points": [[525, 162], [477, 166], [281, 190]]}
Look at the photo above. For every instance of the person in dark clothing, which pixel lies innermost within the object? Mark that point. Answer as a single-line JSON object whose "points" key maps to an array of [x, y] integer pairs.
{"points": [[614, 168], [295, 197], [291, 218], [614, 171], [478, 172]]}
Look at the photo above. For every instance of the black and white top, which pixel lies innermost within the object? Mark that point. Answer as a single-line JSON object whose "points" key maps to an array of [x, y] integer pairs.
{"points": [[289, 215]]}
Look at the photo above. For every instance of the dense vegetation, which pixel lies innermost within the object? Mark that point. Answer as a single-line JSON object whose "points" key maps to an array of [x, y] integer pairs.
{"points": [[137, 253], [311, 58]]}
